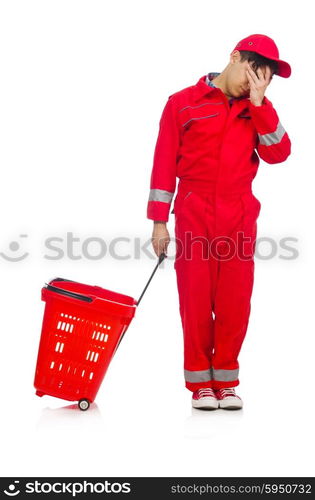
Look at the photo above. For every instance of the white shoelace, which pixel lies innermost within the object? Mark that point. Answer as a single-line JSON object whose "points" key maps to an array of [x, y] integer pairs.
{"points": [[227, 391], [206, 392]]}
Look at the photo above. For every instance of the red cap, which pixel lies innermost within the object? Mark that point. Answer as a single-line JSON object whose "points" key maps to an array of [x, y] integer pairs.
{"points": [[265, 46]]}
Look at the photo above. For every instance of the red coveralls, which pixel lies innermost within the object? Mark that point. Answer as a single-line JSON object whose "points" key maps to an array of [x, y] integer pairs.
{"points": [[210, 146]]}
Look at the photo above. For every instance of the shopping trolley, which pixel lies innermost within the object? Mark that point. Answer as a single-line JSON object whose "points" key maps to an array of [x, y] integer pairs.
{"points": [[82, 328]]}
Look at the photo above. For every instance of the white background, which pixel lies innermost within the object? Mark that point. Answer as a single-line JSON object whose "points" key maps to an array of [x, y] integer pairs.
{"points": [[82, 88]]}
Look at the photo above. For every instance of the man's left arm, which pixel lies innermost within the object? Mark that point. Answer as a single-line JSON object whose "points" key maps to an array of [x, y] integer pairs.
{"points": [[273, 142]]}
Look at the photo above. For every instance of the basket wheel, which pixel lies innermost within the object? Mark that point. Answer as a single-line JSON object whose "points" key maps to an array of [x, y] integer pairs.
{"points": [[84, 404]]}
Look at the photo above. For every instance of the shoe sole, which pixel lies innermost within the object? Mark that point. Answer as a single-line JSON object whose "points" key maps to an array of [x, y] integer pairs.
{"points": [[205, 405], [231, 405]]}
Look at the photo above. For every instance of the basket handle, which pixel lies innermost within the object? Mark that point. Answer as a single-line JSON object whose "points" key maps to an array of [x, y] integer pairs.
{"points": [[85, 298], [73, 295], [161, 258]]}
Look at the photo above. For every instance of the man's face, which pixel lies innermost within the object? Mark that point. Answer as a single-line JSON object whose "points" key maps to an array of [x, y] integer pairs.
{"points": [[237, 79]]}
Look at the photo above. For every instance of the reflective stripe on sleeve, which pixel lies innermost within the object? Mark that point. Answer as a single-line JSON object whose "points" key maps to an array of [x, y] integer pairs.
{"points": [[273, 138], [161, 195], [198, 376], [225, 375]]}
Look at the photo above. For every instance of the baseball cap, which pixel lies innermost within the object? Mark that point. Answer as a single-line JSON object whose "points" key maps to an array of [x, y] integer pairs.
{"points": [[265, 46]]}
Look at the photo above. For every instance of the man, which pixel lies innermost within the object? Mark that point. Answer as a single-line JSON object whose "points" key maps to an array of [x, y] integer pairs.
{"points": [[211, 137]]}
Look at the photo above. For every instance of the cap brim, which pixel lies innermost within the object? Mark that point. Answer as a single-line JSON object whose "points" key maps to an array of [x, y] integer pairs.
{"points": [[284, 69]]}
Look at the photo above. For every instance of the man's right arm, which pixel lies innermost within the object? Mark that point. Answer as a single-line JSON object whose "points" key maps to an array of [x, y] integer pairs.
{"points": [[163, 175]]}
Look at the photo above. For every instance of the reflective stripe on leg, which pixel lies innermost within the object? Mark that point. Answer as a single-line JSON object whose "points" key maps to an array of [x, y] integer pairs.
{"points": [[225, 375], [198, 375]]}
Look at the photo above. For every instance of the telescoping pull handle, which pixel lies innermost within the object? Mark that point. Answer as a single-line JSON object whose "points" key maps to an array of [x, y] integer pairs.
{"points": [[161, 258], [68, 293]]}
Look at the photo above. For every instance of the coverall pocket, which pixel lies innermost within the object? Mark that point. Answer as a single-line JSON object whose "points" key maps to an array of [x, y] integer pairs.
{"points": [[251, 205], [192, 118], [180, 201], [251, 210]]}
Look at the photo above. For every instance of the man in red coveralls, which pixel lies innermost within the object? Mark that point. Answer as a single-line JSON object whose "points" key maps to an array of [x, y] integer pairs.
{"points": [[211, 136]]}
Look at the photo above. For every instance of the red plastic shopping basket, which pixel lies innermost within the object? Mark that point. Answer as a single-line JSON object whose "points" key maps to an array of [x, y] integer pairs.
{"points": [[82, 327]]}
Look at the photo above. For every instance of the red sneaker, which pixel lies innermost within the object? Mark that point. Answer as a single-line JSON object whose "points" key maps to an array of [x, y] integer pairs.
{"points": [[205, 399], [227, 399]]}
